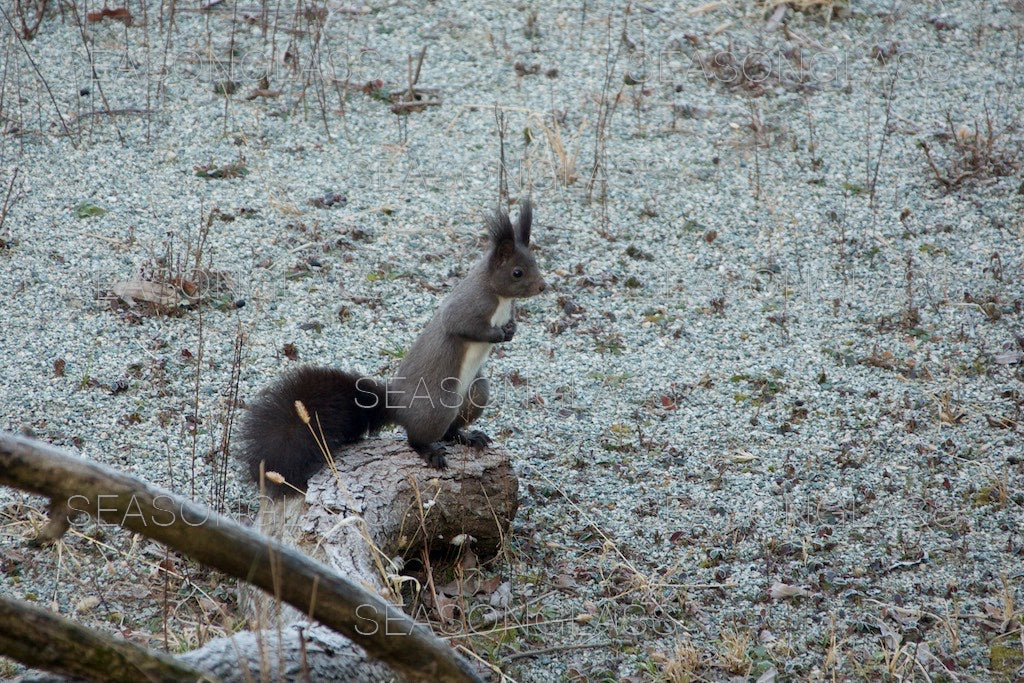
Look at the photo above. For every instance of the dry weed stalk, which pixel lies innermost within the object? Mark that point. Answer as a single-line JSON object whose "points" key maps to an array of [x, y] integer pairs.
{"points": [[30, 14], [562, 153], [973, 154], [502, 124], [389, 576]]}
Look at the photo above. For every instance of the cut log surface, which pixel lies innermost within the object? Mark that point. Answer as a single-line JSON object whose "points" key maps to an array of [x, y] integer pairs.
{"points": [[399, 497], [374, 506]]}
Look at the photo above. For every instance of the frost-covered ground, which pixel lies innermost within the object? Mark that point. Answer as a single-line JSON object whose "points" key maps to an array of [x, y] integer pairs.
{"points": [[767, 416]]}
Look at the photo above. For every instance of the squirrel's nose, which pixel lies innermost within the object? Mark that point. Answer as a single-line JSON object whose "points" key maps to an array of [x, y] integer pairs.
{"points": [[542, 286]]}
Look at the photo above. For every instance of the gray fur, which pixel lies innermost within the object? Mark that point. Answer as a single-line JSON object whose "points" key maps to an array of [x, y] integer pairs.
{"points": [[426, 396]]}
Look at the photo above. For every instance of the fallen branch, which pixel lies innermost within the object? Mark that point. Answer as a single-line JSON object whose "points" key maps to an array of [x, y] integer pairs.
{"points": [[414, 76], [32, 62], [75, 651], [398, 107], [75, 485]]}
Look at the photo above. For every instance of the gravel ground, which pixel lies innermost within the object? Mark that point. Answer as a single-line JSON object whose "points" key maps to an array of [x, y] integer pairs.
{"points": [[767, 419]]}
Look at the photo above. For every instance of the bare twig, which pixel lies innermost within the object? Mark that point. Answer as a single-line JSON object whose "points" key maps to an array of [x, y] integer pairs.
{"points": [[502, 122], [414, 105], [972, 154], [414, 76], [63, 124], [881, 145], [605, 110], [28, 32], [939, 176], [92, 69], [7, 200]]}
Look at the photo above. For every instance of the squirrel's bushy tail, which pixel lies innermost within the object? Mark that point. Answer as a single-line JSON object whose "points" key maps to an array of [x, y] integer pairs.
{"points": [[342, 406]]}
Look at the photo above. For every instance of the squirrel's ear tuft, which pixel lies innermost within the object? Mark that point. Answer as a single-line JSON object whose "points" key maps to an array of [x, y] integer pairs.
{"points": [[525, 220], [500, 228]]}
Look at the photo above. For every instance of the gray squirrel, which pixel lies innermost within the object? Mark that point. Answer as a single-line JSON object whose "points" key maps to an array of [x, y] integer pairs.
{"points": [[436, 394]]}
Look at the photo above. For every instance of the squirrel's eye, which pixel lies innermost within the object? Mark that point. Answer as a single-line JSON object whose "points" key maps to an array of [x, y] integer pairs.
{"points": [[517, 273]]}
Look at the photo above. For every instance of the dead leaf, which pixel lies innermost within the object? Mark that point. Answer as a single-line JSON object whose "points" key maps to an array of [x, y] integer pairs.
{"points": [[501, 596], [890, 638], [263, 92], [905, 618], [210, 606], [116, 13], [998, 620], [564, 582], [156, 293], [10, 558], [903, 564], [468, 560], [780, 591], [954, 417], [925, 657], [1007, 357], [741, 457], [446, 608], [470, 586], [490, 585]]}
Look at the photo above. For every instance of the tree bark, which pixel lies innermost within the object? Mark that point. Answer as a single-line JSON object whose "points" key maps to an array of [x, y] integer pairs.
{"points": [[293, 653]]}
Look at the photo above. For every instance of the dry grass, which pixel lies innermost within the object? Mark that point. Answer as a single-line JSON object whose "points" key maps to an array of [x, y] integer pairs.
{"points": [[195, 604], [973, 153], [684, 663], [733, 652], [563, 152]]}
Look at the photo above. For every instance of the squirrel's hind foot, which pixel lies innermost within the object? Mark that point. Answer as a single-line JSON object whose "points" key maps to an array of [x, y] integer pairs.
{"points": [[474, 438], [434, 454]]}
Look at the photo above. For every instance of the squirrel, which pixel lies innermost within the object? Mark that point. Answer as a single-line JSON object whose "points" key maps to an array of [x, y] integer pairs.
{"points": [[437, 392]]}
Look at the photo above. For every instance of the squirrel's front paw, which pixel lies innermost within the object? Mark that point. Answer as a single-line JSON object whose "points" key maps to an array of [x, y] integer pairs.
{"points": [[509, 329]]}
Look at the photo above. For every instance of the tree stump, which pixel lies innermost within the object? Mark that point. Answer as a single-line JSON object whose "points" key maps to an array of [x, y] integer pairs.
{"points": [[379, 503]]}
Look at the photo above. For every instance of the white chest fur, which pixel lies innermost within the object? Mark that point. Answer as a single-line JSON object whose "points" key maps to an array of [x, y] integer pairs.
{"points": [[477, 352], [503, 312]]}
